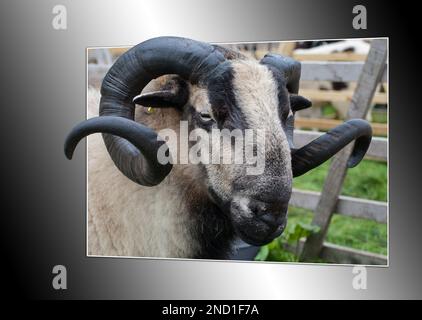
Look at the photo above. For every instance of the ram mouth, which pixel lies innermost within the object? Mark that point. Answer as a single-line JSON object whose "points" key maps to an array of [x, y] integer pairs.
{"points": [[256, 240]]}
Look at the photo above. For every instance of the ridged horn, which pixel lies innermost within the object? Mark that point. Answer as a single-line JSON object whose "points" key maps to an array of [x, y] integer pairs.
{"points": [[321, 149]]}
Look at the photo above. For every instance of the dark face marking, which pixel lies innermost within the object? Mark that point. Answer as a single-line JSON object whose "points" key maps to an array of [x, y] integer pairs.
{"points": [[221, 96], [285, 114]]}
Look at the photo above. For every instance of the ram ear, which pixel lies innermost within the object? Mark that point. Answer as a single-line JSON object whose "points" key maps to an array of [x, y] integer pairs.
{"points": [[173, 94], [298, 102]]}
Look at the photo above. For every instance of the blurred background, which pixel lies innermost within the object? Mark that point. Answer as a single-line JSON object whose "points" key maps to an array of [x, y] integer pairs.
{"points": [[358, 230]]}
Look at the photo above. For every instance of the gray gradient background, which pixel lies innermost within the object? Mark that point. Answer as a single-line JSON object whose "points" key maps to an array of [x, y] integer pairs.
{"points": [[43, 95]]}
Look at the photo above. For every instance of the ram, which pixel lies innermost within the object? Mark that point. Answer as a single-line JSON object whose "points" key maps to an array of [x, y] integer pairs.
{"points": [[139, 206]]}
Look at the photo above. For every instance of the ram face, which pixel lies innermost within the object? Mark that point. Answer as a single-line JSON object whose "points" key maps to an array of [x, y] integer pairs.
{"points": [[212, 88]]}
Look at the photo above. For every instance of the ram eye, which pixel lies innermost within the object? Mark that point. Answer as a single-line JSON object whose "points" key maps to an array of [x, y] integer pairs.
{"points": [[205, 117]]}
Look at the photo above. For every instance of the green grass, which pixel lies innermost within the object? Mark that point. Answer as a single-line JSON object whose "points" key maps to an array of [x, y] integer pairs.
{"points": [[355, 233], [369, 181], [379, 116], [328, 111]]}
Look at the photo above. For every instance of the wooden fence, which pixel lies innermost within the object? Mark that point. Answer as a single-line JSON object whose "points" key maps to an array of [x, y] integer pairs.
{"points": [[344, 71], [367, 75]]}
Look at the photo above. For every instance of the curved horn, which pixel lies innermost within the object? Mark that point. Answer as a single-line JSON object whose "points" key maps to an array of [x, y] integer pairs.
{"points": [[151, 172], [321, 149], [190, 59], [289, 68]]}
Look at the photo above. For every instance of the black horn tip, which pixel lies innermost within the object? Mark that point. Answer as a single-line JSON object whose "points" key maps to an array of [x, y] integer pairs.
{"points": [[353, 162], [362, 142], [72, 139], [70, 145], [68, 153]]}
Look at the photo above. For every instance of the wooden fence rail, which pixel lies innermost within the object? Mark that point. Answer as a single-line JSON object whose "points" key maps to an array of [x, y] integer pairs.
{"points": [[333, 253], [348, 206], [333, 71], [338, 56], [339, 95], [378, 129]]}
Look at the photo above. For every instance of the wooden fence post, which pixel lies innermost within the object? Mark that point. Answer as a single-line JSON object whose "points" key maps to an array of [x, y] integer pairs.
{"points": [[371, 75]]}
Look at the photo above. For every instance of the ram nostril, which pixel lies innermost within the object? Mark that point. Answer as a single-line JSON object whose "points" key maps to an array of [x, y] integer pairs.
{"points": [[271, 218], [255, 210], [257, 207]]}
